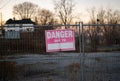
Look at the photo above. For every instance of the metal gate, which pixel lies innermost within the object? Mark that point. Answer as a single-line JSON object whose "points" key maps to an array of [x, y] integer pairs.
{"points": [[25, 55], [27, 59], [101, 51]]}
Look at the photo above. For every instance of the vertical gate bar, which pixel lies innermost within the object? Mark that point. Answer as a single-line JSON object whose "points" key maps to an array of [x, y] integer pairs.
{"points": [[83, 41], [80, 49], [82, 53]]}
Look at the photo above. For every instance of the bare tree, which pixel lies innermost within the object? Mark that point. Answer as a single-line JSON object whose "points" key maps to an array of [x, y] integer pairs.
{"points": [[110, 34], [24, 10], [92, 14], [92, 31], [101, 14], [64, 10], [45, 17], [112, 16], [109, 16]]}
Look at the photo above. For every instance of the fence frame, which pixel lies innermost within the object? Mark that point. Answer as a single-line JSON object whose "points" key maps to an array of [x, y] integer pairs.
{"points": [[80, 26], [82, 46]]}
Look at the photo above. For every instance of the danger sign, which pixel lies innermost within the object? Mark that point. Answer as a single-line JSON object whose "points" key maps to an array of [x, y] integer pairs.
{"points": [[59, 40]]}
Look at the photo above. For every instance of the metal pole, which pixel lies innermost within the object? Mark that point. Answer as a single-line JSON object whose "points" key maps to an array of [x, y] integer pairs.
{"points": [[82, 54], [80, 49], [1, 18], [83, 41]]}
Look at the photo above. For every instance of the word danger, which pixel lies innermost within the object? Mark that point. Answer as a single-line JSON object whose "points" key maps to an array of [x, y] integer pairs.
{"points": [[59, 34]]}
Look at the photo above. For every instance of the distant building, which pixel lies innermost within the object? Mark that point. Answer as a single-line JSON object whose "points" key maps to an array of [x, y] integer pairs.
{"points": [[14, 27], [25, 25]]}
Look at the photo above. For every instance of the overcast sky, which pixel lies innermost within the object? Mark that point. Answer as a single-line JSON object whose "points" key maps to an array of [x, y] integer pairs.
{"points": [[81, 5]]}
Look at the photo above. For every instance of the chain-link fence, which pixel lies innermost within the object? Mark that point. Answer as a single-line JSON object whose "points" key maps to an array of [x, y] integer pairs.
{"points": [[95, 58], [30, 40], [102, 52], [28, 46], [102, 38]]}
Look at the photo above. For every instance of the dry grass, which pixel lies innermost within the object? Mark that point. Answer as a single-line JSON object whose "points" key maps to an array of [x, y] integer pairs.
{"points": [[72, 72], [98, 59], [8, 70]]}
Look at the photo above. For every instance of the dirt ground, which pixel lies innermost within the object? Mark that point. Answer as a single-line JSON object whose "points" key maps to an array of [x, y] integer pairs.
{"points": [[104, 66]]}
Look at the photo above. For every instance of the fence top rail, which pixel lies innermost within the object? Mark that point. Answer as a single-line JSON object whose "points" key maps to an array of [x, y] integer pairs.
{"points": [[56, 25], [101, 24], [59, 25]]}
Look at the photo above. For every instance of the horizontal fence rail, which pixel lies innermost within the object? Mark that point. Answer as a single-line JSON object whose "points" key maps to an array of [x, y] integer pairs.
{"points": [[101, 24]]}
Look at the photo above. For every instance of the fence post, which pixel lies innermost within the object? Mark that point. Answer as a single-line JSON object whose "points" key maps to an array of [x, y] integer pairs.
{"points": [[82, 53], [80, 43]]}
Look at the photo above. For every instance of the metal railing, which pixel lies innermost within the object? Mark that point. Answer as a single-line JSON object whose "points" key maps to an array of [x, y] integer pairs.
{"points": [[89, 38]]}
